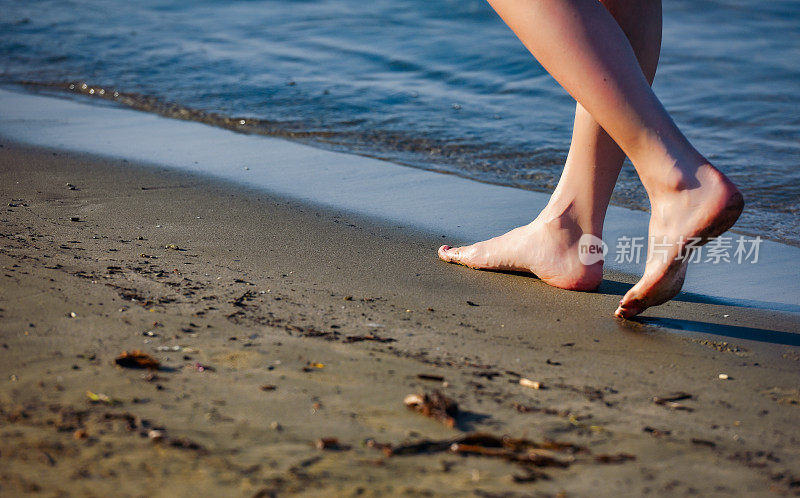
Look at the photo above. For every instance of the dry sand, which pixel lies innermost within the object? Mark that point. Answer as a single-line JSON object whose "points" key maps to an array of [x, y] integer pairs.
{"points": [[234, 291]]}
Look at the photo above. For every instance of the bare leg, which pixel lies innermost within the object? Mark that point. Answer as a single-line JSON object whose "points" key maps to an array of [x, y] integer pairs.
{"points": [[548, 245], [594, 160], [582, 46]]}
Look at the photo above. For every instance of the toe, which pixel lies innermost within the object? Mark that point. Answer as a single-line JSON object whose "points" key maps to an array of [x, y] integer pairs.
{"points": [[443, 253], [632, 303], [630, 308]]}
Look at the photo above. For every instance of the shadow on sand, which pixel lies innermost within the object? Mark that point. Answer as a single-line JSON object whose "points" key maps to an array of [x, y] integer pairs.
{"points": [[733, 331], [614, 287], [620, 288]]}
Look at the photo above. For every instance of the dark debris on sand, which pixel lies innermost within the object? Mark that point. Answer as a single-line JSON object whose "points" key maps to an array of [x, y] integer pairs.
{"points": [[525, 452], [434, 405], [137, 359]]}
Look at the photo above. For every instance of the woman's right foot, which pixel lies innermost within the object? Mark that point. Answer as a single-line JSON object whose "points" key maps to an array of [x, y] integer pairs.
{"points": [[678, 217]]}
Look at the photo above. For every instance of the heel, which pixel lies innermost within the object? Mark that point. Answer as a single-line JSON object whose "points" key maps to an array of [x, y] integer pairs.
{"points": [[734, 205], [733, 209]]}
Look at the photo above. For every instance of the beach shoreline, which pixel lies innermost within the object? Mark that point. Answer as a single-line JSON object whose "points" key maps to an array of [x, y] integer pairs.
{"points": [[457, 209], [280, 322]]}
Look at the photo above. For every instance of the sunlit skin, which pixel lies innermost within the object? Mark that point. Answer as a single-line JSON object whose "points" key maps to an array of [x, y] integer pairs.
{"points": [[605, 55]]}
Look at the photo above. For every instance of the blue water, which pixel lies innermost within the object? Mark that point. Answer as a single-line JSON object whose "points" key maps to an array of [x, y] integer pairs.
{"points": [[440, 85]]}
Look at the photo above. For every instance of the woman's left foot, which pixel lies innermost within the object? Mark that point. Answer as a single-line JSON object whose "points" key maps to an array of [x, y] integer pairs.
{"points": [[547, 247]]}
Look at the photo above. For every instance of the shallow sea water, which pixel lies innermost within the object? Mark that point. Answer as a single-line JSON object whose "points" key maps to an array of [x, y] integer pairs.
{"points": [[438, 85]]}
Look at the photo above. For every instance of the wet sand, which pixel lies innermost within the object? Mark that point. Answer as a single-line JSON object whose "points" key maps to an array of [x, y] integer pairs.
{"points": [[279, 323]]}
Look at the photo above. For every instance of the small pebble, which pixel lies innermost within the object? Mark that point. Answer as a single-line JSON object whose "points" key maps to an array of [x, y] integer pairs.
{"points": [[75, 218], [530, 383], [723, 376], [275, 426]]}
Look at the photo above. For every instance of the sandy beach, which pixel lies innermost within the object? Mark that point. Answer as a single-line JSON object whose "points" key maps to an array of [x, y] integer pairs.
{"points": [[281, 326]]}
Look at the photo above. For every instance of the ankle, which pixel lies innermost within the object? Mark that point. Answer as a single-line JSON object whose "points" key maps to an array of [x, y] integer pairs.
{"points": [[688, 181], [570, 215], [667, 162]]}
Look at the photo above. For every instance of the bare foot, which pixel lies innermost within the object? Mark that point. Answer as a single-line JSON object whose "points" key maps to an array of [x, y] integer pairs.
{"points": [[707, 210], [547, 247]]}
